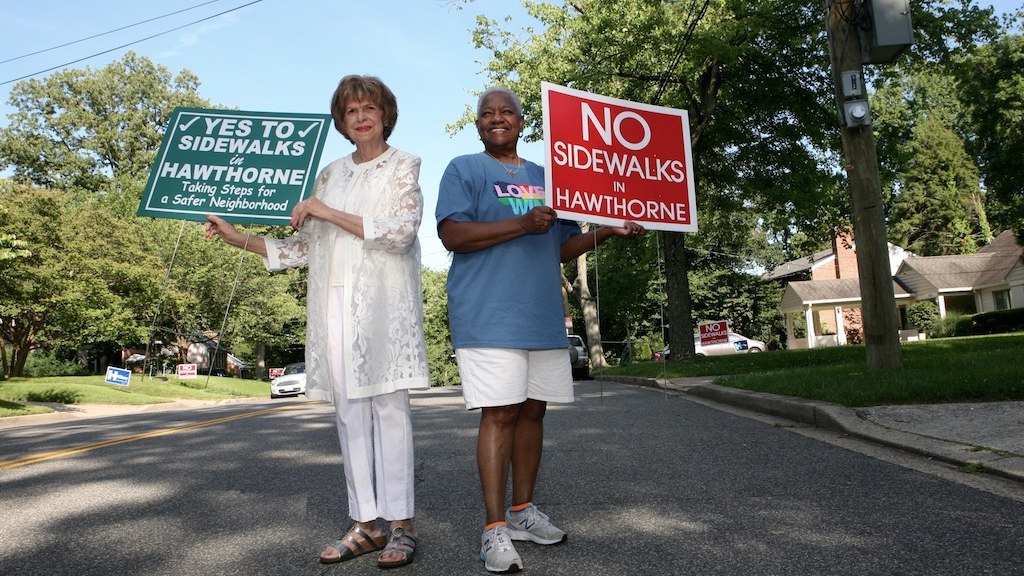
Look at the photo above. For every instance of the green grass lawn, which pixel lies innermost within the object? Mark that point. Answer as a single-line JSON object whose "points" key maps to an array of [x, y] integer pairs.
{"points": [[17, 392], [971, 369]]}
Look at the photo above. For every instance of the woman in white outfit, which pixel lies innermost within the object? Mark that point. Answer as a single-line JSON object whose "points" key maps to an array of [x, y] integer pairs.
{"points": [[364, 341]]}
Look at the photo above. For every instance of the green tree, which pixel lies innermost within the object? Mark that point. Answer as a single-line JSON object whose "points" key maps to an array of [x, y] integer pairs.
{"points": [[10, 246], [84, 280], [443, 370], [616, 289], [936, 204], [937, 208], [991, 90], [93, 130], [95, 134], [205, 277], [10, 249]]}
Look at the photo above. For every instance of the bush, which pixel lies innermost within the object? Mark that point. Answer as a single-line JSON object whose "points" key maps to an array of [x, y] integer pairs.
{"points": [[953, 324], [924, 315], [997, 322], [642, 349], [42, 364], [54, 395]]}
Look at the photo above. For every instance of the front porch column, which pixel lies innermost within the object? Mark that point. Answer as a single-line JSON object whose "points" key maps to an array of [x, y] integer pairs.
{"points": [[809, 320], [941, 301], [840, 328]]}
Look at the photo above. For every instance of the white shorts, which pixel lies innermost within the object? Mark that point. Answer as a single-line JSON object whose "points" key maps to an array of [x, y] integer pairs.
{"points": [[503, 377]]}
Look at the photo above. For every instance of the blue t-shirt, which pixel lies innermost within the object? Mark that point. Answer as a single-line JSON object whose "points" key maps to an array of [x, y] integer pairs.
{"points": [[508, 295]]}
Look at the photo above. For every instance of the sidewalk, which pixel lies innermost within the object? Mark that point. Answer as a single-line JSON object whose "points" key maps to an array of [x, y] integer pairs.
{"points": [[987, 434]]}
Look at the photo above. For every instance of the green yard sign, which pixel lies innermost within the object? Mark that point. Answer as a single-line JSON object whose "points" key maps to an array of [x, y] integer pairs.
{"points": [[246, 167]]}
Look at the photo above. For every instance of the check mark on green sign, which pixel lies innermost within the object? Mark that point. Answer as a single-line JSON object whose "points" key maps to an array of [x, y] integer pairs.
{"points": [[189, 123], [302, 133]]}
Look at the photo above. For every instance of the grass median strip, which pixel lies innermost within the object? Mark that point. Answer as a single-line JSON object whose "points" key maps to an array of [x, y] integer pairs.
{"points": [[45, 456], [965, 369]]}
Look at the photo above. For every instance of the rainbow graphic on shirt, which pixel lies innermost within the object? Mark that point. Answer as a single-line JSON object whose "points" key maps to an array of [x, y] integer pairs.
{"points": [[520, 197]]}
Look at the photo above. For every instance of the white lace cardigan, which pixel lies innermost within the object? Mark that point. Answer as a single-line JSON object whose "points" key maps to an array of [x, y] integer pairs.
{"points": [[383, 337]]}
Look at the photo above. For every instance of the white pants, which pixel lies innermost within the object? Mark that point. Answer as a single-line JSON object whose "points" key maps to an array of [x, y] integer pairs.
{"points": [[375, 434]]}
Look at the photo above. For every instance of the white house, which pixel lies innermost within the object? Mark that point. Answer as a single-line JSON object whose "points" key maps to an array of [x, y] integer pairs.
{"points": [[825, 290], [990, 279]]}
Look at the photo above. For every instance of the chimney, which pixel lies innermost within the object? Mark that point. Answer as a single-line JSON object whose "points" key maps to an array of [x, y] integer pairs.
{"points": [[846, 253]]}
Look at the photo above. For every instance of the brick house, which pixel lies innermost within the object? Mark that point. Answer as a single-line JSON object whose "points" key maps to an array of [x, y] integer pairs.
{"points": [[823, 294], [824, 288]]}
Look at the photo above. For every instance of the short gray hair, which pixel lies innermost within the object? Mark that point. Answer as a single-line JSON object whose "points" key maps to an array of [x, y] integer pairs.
{"points": [[499, 90]]}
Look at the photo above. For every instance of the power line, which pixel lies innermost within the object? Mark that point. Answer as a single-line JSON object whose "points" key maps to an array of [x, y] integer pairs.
{"points": [[105, 33], [4, 83]]}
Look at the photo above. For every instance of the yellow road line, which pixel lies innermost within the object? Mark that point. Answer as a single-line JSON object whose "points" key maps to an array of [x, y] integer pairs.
{"points": [[6, 465]]}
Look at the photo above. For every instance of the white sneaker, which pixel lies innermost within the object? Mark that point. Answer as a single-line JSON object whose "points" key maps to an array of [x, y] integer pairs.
{"points": [[533, 525], [497, 552]]}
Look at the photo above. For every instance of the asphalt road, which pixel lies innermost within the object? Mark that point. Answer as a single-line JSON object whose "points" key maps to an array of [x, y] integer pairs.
{"points": [[645, 482]]}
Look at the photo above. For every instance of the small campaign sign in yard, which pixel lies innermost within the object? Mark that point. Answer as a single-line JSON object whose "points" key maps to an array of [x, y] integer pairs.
{"points": [[714, 333], [275, 372], [246, 167], [118, 376], [187, 371], [610, 160]]}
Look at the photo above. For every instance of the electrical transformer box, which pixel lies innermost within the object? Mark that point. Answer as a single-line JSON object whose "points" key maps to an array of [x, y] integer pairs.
{"points": [[891, 32]]}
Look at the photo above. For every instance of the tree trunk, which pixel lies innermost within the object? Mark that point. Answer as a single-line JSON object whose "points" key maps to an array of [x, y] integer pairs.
{"points": [[677, 284], [3, 360], [591, 315], [19, 333], [261, 361], [18, 363]]}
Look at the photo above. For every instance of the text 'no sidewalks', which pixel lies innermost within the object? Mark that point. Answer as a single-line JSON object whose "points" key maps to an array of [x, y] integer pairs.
{"points": [[246, 167]]}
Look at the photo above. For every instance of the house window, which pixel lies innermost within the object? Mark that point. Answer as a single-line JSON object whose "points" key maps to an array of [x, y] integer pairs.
{"points": [[1001, 298]]}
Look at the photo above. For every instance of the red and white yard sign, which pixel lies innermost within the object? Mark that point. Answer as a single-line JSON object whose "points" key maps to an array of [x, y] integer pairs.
{"points": [[275, 372], [187, 371], [610, 160], [714, 333]]}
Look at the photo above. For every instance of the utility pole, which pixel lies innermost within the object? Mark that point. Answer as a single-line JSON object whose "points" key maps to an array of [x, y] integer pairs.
{"points": [[878, 304]]}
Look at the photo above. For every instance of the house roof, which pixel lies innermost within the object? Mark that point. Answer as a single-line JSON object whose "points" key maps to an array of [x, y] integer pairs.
{"points": [[800, 265], [803, 266], [989, 265], [798, 295], [1008, 253]]}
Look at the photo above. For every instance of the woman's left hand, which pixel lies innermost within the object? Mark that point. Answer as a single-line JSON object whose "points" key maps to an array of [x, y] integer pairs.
{"points": [[630, 229]]}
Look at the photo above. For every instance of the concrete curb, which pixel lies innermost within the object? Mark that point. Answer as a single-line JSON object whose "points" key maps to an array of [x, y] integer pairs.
{"points": [[843, 420]]}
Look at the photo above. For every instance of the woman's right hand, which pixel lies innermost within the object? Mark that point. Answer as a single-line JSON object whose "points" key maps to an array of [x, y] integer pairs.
{"points": [[539, 219], [216, 226], [309, 208]]}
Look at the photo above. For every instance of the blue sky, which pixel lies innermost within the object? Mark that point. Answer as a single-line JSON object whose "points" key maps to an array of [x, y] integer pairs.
{"points": [[287, 56]]}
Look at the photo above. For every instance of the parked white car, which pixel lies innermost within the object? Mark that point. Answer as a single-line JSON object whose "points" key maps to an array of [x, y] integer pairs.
{"points": [[737, 344], [291, 383]]}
